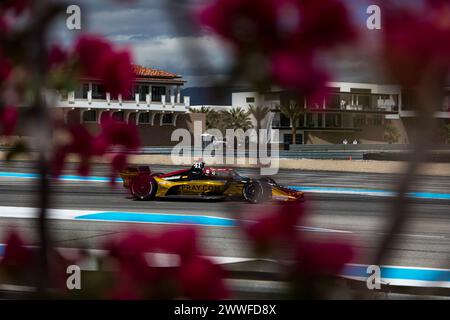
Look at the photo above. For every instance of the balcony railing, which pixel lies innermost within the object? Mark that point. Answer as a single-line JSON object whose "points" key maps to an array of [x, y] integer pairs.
{"points": [[137, 98], [358, 102]]}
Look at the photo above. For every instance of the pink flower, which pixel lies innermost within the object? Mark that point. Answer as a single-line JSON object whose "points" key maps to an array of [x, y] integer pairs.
{"points": [[90, 49], [182, 241], [81, 143], [56, 56], [17, 255], [98, 59], [324, 24], [84, 144], [5, 67], [129, 252], [117, 133], [8, 119], [118, 73], [16, 6], [201, 280], [278, 225], [296, 71], [322, 259], [244, 23], [286, 34], [421, 46], [4, 27]]}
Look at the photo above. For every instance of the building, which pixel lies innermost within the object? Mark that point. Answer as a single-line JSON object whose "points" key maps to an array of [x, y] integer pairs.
{"points": [[350, 111], [155, 105]]}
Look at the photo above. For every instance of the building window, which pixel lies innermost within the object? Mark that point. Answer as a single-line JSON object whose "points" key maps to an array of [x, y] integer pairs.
{"points": [[250, 99], [333, 120], [118, 116], [359, 120], [98, 92], [287, 139], [167, 118], [284, 121], [375, 120], [333, 101], [90, 116], [311, 120], [143, 91], [144, 117], [157, 93], [362, 98], [81, 91]]}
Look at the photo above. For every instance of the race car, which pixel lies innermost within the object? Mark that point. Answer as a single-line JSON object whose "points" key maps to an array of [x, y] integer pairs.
{"points": [[200, 182]]}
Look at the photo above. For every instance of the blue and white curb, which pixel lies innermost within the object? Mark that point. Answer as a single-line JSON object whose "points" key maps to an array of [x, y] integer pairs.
{"points": [[402, 276], [137, 217], [323, 190], [115, 216], [73, 178]]}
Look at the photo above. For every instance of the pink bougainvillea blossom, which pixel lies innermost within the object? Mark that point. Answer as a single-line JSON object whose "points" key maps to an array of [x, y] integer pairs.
{"points": [[322, 258], [278, 225], [201, 279], [56, 56], [16, 6], [16, 254], [419, 46], [84, 144], [98, 59], [8, 120], [5, 67], [287, 33], [294, 70]]}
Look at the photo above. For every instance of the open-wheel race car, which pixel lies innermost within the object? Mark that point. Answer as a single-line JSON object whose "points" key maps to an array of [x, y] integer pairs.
{"points": [[208, 183]]}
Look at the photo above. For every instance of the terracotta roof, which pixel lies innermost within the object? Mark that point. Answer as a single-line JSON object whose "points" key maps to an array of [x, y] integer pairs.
{"points": [[141, 71]]}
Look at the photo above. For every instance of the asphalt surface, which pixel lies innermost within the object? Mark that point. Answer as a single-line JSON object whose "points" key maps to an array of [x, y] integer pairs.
{"points": [[360, 219]]}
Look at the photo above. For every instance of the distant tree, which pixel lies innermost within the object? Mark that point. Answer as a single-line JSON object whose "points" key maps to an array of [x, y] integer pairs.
{"points": [[293, 112], [237, 118], [391, 134], [259, 113], [212, 117]]}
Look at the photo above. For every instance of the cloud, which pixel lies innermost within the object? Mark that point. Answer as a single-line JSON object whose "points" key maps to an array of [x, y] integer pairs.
{"points": [[160, 33]]}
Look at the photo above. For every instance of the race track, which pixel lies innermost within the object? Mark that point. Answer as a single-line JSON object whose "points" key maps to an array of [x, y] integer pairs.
{"points": [[359, 218]]}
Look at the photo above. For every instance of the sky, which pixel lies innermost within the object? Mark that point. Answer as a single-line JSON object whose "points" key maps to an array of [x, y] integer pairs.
{"points": [[146, 28]]}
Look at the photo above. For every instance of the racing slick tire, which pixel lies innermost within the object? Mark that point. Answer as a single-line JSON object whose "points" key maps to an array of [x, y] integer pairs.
{"points": [[143, 187], [256, 192]]}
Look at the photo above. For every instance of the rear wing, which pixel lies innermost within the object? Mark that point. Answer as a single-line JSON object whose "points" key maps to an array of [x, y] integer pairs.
{"points": [[133, 171]]}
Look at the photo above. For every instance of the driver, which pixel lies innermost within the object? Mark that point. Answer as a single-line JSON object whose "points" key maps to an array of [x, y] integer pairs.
{"points": [[197, 167]]}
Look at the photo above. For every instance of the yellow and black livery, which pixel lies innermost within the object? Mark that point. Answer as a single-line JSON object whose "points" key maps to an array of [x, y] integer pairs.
{"points": [[200, 182]]}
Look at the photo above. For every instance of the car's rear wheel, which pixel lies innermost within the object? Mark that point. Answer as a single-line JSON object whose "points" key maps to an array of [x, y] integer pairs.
{"points": [[143, 187], [254, 192]]}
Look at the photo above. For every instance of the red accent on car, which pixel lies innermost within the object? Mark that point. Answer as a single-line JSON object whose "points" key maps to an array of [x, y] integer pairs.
{"points": [[174, 173]]}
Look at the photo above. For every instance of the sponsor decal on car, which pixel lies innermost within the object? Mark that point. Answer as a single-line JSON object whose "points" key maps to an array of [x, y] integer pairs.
{"points": [[200, 188]]}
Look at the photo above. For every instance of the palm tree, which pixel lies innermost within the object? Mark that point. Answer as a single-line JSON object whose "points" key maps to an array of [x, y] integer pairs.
{"points": [[237, 118], [293, 113], [259, 113], [212, 117]]}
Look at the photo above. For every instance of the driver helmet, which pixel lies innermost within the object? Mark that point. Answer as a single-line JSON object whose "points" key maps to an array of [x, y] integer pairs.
{"points": [[199, 165]]}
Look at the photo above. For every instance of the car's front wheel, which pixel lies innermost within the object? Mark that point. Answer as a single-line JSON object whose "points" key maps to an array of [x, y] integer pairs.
{"points": [[253, 192], [143, 187]]}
